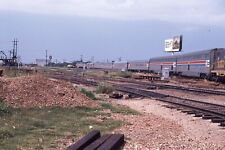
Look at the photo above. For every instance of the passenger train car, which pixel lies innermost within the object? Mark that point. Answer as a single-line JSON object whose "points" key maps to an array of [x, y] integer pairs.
{"points": [[206, 64]]}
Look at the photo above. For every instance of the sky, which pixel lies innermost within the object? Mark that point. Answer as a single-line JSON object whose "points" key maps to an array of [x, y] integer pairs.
{"points": [[109, 29]]}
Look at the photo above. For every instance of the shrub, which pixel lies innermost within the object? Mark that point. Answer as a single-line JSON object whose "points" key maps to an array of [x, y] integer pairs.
{"points": [[125, 74], [104, 88], [89, 94], [4, 109]]}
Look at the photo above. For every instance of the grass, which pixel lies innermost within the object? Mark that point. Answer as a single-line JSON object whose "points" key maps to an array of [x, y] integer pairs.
{"points": [[119, 109], [4, 109], [125, 74], [122, 74], [35, 128], [110, 74], [89, 94], [15, 72], [104, 88], [95, 73]]}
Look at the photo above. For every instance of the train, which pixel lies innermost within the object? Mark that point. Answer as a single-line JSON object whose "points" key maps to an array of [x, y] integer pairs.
{"points": [[208, 64]]}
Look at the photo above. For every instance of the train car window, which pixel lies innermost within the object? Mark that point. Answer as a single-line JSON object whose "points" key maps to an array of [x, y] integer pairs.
{"points": [[188, 67]]}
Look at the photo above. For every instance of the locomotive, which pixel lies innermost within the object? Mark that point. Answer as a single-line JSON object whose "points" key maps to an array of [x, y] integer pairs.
{"points": [[208, 64]]}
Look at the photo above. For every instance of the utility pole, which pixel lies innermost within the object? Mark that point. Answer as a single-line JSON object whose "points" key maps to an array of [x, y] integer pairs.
{"points": [[92, 59], [81, 58], [10, 54], [113, 64], [46, 57], [15, 44]]}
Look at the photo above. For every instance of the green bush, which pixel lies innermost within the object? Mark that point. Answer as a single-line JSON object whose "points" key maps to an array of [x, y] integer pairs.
{"points": [[4, 109], [104, 88], [125, 74], [89, 94], [5, 134]]}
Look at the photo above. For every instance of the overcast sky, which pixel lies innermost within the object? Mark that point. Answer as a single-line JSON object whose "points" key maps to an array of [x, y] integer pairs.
{"points": [[109, 29]]}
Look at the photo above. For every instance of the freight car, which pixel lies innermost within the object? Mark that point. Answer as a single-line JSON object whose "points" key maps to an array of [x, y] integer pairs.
{"points": [[205, 64]]}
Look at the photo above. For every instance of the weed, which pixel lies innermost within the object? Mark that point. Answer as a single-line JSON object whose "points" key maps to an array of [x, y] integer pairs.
{"points": [[15, 72], [5, 134], [33, 128], [89, 94], [4, 109], [120, 109], [104, 88], [125, 74]]}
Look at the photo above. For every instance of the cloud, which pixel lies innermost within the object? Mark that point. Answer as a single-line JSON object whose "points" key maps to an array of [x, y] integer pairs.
{"points": [[209, 12]]}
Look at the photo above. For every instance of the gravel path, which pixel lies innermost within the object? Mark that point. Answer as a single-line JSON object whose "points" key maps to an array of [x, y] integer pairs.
{"points": [[164, 128]]}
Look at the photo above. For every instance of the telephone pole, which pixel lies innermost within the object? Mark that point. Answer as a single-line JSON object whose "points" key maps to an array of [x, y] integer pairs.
{"points": [[10, 54], [14, 53], [81, 58], [46, 57]]}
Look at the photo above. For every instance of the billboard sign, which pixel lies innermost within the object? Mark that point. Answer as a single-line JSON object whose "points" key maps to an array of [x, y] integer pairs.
{"points": [[174, 44]]}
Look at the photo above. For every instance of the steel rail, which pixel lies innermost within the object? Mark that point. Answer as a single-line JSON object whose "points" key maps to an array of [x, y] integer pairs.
{"points": [[207, 109]]}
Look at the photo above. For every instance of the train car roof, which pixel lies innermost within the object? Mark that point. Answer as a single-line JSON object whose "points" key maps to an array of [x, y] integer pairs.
{"points": [[116, 62], [145, 60], [184, 54]]}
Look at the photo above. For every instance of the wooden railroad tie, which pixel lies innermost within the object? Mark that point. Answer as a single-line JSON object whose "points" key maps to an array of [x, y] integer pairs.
{"points": [[1, 73], [94, 141]]}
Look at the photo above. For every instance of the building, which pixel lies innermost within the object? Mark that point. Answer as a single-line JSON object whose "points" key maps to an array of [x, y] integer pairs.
{"points": [[42, 62]]}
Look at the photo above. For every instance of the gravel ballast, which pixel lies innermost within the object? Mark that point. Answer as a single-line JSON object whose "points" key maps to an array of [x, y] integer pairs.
{"points": [[163, 128]]}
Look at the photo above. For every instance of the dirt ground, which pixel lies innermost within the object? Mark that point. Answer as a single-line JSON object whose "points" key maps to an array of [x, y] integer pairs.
{"points": [[163, 128], [157, 128], [40, 91]]}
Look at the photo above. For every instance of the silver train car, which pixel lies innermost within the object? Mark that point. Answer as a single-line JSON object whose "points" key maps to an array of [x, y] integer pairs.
{"points": [[110, 65], [205, 64]]}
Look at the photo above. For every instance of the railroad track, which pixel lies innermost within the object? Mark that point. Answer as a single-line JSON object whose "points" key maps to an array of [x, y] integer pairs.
{"points": [[162, 86], [167, 86], [214, 112], [201, 109]]}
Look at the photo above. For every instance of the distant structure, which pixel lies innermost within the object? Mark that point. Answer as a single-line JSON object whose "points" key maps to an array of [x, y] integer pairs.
{"points": [[42, 62], [12, 59]]}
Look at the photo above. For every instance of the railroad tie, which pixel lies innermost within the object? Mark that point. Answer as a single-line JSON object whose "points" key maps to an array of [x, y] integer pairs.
{"points": [[218, 120], [113, 143], [85, 141], [96, 144], [222, 124], [206, 117], [198, 115]]}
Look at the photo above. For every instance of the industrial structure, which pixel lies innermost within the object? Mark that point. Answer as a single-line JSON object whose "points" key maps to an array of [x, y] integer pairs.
{"points": [[10, 60]]}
